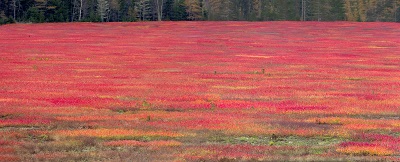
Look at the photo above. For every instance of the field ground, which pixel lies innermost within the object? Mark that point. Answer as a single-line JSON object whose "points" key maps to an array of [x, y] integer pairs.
{"points": [[193, 91]]}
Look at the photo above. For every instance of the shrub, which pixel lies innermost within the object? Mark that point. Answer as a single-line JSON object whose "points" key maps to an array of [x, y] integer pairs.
{"points": [[6, 20]]}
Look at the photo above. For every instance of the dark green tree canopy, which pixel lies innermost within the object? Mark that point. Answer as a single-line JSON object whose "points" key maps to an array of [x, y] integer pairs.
{"points": [[177, 10]]}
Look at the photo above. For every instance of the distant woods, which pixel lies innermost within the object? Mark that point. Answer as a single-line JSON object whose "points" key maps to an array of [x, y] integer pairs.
{"points": [[197, 10]]}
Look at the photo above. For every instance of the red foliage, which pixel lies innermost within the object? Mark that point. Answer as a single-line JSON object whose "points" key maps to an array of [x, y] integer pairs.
{"points": [[238, 152], [238, 78], [7, 158]]}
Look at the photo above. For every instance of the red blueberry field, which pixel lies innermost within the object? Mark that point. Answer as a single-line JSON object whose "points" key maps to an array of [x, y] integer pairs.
{"points": [[200, 91]]}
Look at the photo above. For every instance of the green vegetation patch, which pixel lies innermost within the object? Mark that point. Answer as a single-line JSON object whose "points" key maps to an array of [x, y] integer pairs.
{"points": [[274, 140]]}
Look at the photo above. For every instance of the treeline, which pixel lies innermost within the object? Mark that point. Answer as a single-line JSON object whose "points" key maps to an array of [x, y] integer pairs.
{"points": [[176, 10]]}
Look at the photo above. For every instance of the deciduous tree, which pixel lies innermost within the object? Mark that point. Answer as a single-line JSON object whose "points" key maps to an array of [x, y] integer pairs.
{"points": [[194, 10]]}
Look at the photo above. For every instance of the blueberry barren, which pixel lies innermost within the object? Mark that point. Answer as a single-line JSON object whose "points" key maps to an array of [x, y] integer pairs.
{"points": [[192, 91]]}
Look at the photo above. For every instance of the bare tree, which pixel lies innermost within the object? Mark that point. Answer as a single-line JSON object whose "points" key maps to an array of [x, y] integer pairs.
{"points": [[14, 8], [303, 10], [159, 4], [194, 10], [77, 10], [395, 11], [80, 10]]}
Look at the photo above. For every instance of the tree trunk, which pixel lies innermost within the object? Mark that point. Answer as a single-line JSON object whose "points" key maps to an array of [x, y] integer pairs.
{"points": [[14, 7], [303, 10], [73, 11], [395, 11], [80, 11], [159, 9]]}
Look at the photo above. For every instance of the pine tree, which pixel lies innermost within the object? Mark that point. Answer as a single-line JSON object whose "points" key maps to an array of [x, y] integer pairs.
{"points": [[256, 10], [103, 9], [337, 11], [143, 9], [127, 11]]}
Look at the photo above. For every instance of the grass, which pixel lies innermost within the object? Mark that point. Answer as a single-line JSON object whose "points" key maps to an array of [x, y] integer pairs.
{"points": [[274, 140]]}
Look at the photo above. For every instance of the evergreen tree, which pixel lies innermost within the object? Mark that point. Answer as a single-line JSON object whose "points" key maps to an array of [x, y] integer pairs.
{"points": [[56, 11], [220, 10], [143, 9], [179, 11], [103, 9], [127, 10], [168, 9], [34, 15], [337, 10]]}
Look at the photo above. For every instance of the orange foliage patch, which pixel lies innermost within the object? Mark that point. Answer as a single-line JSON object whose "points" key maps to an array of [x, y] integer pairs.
{"points": [[368, 126], [115, 133], [127, 117], [365, 150]]}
